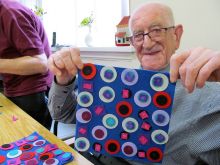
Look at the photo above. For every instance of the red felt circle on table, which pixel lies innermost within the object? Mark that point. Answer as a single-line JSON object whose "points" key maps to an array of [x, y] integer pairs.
{"points": [[50, 161], [6, 146], [156, 150], [127, 105], [112, 142], [164, 94], [26, 147], [46, 155], [87, 66], [27, 155], [2, 159], [31, 162]]}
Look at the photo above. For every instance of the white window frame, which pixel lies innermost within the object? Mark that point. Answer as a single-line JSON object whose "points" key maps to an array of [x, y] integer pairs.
{"points": [[78, 34]]}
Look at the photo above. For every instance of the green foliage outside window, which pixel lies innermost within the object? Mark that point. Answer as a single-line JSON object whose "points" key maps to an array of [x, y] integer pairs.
{"points": [[87, 21], [39, 11]]}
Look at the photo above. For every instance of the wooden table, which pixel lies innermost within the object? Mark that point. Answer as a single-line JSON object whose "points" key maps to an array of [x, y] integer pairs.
{"points": [[11, 131]]}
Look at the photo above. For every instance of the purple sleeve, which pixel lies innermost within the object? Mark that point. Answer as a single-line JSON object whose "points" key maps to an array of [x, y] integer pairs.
{"points": [[22, 30]]}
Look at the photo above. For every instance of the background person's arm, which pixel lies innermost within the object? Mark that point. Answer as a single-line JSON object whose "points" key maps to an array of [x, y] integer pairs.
{"points": [[26, 65]]}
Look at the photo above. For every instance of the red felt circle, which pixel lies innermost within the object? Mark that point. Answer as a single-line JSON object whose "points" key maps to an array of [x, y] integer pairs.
{"points": [[46, 156], [2, 159], [27, 155], [31, 162], [126, 105], [92, 70], [6, 146], [165, 95], [50, 161], [157, 151], [112, 143], [26, 147]]}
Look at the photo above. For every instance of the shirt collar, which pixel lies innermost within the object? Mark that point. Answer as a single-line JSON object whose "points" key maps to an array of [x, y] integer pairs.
{"points": [[166, 69]]}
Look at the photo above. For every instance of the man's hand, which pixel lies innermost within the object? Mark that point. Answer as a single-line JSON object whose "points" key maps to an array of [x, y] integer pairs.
{"points": [[194, 67], [64, 64]]}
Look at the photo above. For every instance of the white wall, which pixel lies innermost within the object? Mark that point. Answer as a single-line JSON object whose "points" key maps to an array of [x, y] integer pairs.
{"points": [[200, 20]]}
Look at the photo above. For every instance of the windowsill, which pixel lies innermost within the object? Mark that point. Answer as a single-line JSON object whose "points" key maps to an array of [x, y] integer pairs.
{"points": [[108, 49], [103, 53], [113, 56], [108, 53]]}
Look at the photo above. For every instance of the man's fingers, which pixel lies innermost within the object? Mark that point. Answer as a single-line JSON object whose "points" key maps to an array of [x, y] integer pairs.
{"points": [[195, 67], [58, 61], [52, 67], [175, 63], [68, 59], [75, 55], [207, 72], [198, 59], [69, 63]]}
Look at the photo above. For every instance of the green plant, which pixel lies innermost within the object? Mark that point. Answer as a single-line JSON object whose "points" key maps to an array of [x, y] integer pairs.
{"points": [[87, 21], [39, 11]]}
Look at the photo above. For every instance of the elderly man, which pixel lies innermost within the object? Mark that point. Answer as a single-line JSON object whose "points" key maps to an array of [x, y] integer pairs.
{"points": [[194, 127]]}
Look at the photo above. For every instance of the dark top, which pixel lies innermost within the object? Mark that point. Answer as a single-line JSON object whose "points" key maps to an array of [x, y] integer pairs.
{"points": [[22, 34]]}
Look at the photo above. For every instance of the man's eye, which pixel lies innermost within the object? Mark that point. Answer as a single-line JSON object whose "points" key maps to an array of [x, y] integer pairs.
{"points": [[138, 35], [156, 30]]}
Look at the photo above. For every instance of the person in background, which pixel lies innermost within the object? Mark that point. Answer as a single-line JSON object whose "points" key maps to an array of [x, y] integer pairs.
{"points": [[195, 67], [24, 50], [194, 124]]}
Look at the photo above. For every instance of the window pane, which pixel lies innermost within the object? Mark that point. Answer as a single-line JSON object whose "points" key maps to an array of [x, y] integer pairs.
{"points": [[60, 18], [107, 15], [64, 17], [28, 3]]}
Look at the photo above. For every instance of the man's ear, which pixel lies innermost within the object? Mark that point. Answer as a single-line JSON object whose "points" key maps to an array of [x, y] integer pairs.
{"points": [[178, 33]]}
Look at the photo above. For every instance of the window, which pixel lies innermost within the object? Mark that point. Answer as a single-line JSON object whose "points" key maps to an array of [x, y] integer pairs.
{"points": [[30, 3], [64, 17]]}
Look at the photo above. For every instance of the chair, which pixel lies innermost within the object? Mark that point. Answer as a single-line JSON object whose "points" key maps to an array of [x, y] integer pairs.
{"points": [[65, 132]]}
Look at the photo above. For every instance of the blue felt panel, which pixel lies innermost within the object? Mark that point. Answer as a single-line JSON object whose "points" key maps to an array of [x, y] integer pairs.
{"points": [[33, 150], [123, 112]]}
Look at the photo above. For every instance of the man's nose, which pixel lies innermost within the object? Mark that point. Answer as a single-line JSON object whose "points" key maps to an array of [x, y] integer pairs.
{"points": [[147, 43]]}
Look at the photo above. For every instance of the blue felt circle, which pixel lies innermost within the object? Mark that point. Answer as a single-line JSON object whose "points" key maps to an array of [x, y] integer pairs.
{"points": [[106, 94], [82, 144], [159, 82], [129, 77], [159, 137], [110, 121], [160, 117], [108, 74], [142, 98], [85, 99], [130, 124]]}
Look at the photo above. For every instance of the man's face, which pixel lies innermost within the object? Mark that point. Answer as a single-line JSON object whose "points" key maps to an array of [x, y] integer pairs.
{"points": [[153, 53]]}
